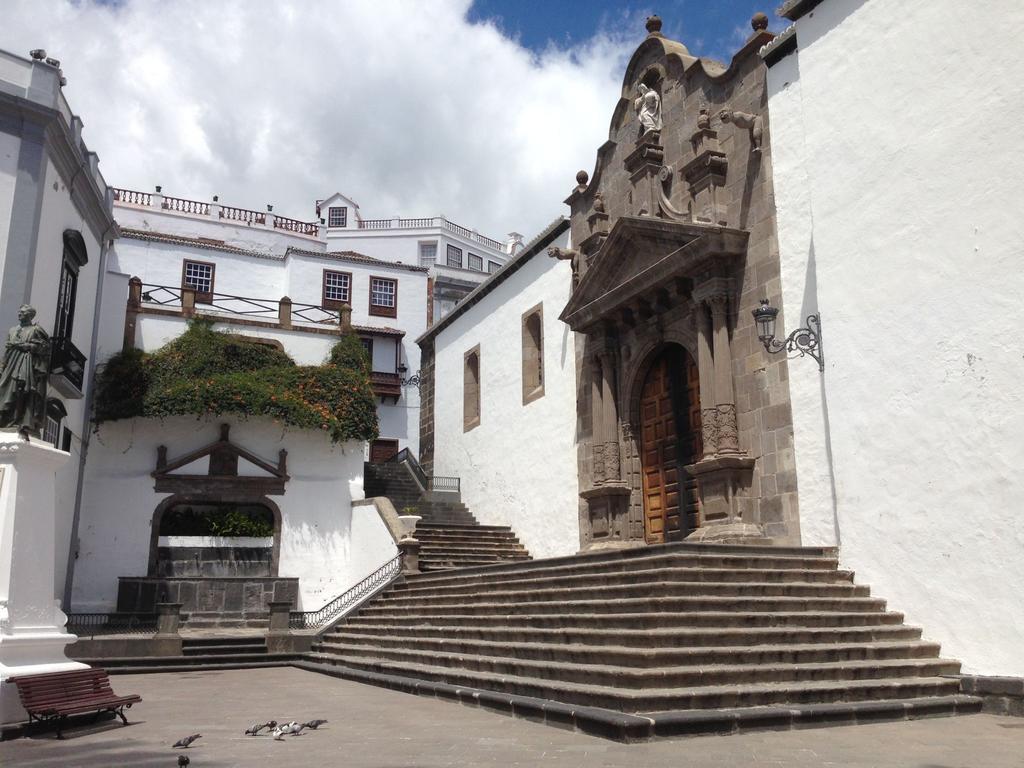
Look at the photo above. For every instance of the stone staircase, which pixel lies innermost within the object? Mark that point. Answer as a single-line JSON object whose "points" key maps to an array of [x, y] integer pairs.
{"points": [[677, 638], [450, 535], [201, 653]]}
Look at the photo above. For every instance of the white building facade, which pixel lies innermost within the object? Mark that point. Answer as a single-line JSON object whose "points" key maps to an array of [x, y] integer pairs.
{"points": [[896, 174], [459, 258], [500, 374]]}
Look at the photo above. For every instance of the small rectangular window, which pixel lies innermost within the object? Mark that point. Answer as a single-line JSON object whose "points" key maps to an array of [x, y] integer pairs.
{"points": [[493, 266], [337, 289], [383, 297], [428, 254], [454, 257], [66, 290], [198, 275], [476, 263], [51, 431], [337, 216], [533, 354]]}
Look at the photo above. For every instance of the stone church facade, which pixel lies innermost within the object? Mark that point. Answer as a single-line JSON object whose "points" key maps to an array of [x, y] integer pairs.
{"points": [[684, 425]]}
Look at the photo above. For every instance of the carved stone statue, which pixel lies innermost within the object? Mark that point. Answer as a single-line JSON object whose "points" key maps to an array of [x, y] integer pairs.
{"points": [[26, 365], [753, 123], [648, 108]]}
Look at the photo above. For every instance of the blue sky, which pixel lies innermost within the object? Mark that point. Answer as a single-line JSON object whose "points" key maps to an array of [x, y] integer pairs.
{"points": [[712, 28]]}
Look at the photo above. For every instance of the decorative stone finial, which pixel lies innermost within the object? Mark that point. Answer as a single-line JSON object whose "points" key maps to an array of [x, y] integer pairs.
{"points": [[704, 120], [759, 21], [653, 25], [582, 177]]}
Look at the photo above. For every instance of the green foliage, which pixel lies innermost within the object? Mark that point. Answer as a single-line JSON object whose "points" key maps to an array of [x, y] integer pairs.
{"points": [[226, 521], [205, 372]]}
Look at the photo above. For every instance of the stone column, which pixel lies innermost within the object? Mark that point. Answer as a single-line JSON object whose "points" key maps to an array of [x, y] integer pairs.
{"points": [[725, 399], [610, 419], [32, 634], [168, 619], [284, 312], [706, 369], [131, 314], [597, 422]]}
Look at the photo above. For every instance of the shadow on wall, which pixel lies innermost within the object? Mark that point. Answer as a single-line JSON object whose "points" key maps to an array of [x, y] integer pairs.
{"points": [[809, 306]]}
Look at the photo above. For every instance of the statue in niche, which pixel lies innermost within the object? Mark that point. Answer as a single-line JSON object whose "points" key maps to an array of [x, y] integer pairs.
{"points": [[23, 377], [648, 108], [753, 123]]}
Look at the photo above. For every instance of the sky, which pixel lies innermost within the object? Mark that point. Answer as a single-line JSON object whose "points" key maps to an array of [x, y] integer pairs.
{"points": [[479, 110]]}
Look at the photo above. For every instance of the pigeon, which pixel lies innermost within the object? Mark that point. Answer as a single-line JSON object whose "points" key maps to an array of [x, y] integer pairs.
{"points": [[314, 724], [279, 732], [297, 728], [187, 740], [257, 727], [183, 760]]}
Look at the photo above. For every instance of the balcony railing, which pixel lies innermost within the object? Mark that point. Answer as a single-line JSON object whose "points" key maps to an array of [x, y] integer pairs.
{"points": [[172, 297], [438, 221], [345, 603], [215, 210], [386, 384], [429, 482], [66, 360]]}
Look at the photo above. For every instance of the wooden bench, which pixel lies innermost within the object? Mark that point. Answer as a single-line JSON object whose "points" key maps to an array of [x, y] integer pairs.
{"points": [[56, 695]]}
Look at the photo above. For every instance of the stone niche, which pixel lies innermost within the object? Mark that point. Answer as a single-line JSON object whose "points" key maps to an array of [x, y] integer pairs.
{"points": [[674, 244]]}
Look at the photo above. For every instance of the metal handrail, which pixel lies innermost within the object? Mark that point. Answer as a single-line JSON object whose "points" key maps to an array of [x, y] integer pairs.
{"points": [[349, 600], [427, 482], [89, 624], [170, 296]]}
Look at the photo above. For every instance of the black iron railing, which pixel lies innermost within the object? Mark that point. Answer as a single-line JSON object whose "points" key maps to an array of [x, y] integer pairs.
{"points": [[349, 600], [89, 624], [244, 306], [66, 360], [438, 483]]}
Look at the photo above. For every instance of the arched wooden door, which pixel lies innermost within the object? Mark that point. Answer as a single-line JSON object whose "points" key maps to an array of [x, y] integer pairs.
{"points": [[669, 440]]}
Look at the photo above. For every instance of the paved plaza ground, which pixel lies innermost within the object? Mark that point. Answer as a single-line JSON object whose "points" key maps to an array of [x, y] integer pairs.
{"points": [[385, 729]]}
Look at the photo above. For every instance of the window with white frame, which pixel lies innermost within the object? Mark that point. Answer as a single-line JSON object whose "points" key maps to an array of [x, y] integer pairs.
{"points": [[493, 266], [51, 431], [337, 216], [383, 297], [428, 254], [198, 275], [337, 289], [476, 263], [454, 256]]}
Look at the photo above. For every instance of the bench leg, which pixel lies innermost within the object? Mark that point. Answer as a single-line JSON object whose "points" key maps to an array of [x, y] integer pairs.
{"points": [[60, 726], [120, 713]]}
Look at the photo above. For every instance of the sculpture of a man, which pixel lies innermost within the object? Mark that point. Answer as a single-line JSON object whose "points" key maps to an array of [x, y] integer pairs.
{"points": [[23, 376], [648, 108]]}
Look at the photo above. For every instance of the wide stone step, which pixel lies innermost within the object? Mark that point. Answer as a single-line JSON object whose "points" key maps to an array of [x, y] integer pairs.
{"points": [[457, 527], [657, 575], [471, 547], [131, 664], [661, 699], [463, 535], [632, 620], [666, 676], [224, 648], [442, 559], [671, 604], [663, 589], [637, 657], [675, 637], [597, 565]]}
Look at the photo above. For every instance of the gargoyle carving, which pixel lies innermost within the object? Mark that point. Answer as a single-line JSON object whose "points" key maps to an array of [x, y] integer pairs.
{"points": [[753, 123]]}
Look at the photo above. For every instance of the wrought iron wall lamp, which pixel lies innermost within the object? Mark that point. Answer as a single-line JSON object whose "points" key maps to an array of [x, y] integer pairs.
{"points": [[411, 381], [806, 341]]}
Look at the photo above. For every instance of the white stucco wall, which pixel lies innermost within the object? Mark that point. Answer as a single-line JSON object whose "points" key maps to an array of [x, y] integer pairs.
{"points": [[896, 172], [518, 467], [323, 543]]}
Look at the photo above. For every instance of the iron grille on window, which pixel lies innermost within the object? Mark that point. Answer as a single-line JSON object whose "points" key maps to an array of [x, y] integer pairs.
{"points": [[382, 292], [66, 291], [454, 256], [51, 432], [337, 287], [200, 277], [337, 216], [476, 263]]}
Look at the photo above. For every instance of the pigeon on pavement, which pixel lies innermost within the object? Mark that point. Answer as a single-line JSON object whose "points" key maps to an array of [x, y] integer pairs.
{"points": [[314, 724], [187, 740]]}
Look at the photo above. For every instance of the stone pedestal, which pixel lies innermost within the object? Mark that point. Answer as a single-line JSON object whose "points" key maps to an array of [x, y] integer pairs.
{"points": [[32, 635], [409, 548], [718, 480], [608, 511]]}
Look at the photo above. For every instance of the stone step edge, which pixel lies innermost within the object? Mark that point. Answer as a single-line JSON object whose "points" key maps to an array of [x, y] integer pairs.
{"points": [[625, 727]]}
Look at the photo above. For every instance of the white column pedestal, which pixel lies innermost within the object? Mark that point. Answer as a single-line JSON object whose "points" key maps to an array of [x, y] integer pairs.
{"points": [[32, 636]]}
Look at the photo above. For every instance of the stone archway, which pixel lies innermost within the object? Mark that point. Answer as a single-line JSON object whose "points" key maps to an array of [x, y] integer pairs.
{"points": [[200, 499]]}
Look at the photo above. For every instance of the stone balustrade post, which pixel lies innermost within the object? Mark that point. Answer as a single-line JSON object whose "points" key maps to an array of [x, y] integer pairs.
{"points": [[168, 619], [215, 210], [284, 312], [345, 318], [409, 548], [188, 301], [280, 615], [131, 313]]}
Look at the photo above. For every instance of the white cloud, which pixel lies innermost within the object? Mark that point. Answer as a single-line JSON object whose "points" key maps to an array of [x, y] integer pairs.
{"points": [[402, 104]]}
